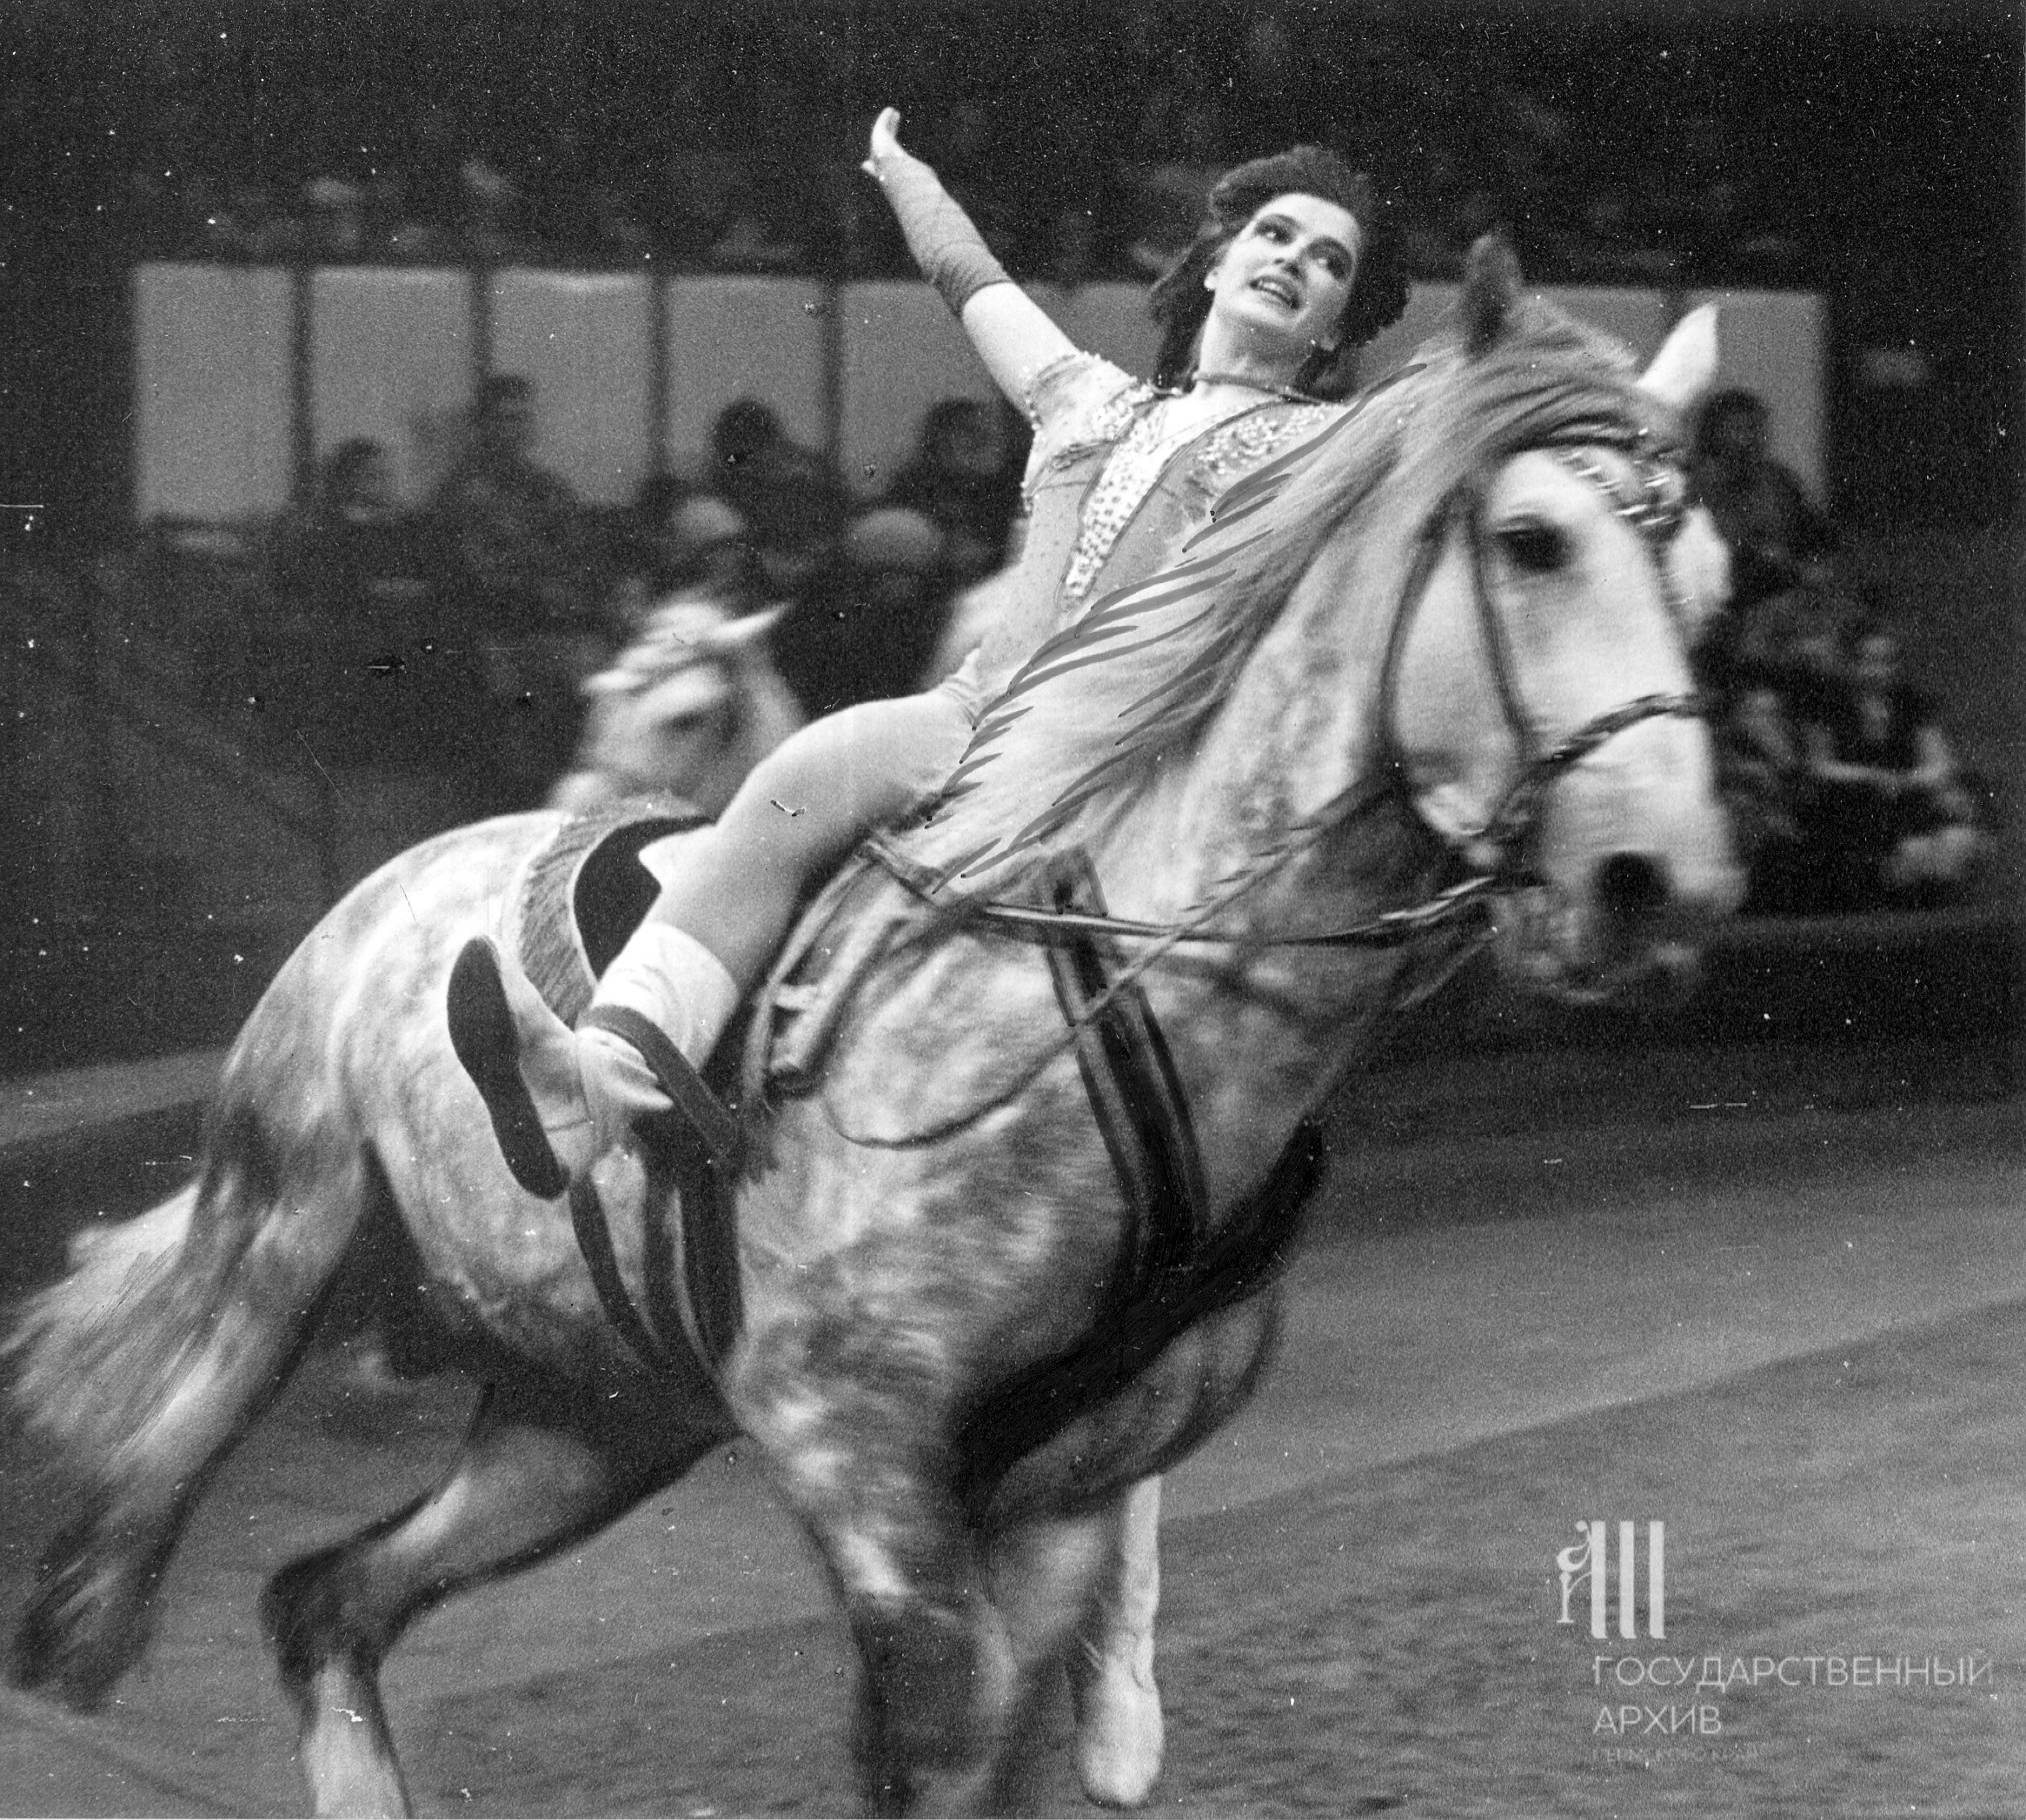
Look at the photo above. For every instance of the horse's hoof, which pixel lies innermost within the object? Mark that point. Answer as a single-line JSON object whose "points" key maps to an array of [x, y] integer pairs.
{"points": [[1119, 1739], [487, 1042]]}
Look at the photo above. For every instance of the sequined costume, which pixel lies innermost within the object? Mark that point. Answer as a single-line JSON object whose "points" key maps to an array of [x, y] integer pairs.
{"points": [[1113, 482], [1119, 474]]}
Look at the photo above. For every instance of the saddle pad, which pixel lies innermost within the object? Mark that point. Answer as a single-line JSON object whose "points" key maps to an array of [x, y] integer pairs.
{"points": [[583, 892], [569, 912]]}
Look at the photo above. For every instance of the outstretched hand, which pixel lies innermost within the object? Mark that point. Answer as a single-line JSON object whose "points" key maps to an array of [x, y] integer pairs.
{"points": [[886, 140]]}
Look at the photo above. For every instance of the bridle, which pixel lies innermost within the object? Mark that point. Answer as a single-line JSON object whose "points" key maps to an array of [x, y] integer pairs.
{"points": [[1490, 861], [1653, 506]]}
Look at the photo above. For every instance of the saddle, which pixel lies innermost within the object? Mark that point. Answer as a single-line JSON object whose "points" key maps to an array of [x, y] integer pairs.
{"points": [[586, 891]]}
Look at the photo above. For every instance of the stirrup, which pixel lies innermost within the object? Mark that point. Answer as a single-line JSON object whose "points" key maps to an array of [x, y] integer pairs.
{"points": [[487, 1042], [709, 1117]]}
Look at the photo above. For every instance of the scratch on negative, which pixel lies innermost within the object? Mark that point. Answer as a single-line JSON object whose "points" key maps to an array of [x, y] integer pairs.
{"points": [[316, 760]]}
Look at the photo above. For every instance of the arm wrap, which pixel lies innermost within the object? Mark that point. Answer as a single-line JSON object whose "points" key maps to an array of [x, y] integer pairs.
{"points": [[950, 252]]}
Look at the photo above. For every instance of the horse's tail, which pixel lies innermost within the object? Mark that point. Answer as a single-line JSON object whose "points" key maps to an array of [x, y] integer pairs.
{"points": [[138, 1373]]}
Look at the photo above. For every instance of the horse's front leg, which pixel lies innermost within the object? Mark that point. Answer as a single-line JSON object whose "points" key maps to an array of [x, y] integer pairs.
{"points": [[863, 1456], [959, 1666], [1119, 1728], [937, 1679]]}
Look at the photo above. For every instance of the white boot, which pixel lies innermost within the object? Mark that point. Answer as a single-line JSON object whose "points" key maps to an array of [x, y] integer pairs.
{"points": [[672, 980]]}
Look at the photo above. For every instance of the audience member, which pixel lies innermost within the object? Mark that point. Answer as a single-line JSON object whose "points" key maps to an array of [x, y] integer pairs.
{"points": [[960, 478], [1889, 814], [1786, 613], [706, 546], [1192, 134], [1779, 539], [1076, 248], [1759, 778], [866, 627], [349, 582], [337, 229], [793, 500], [516, 572], [679, 539]]}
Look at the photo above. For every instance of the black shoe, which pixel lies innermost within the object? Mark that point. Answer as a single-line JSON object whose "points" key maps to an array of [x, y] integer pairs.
{"points": [[487, 1042]]}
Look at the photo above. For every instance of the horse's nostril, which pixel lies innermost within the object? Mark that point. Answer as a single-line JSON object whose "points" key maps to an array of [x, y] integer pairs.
{"points": [[1631, 885]]}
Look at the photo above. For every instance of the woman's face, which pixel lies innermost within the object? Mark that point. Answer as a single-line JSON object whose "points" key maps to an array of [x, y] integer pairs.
{"points": [[1289, 271]]}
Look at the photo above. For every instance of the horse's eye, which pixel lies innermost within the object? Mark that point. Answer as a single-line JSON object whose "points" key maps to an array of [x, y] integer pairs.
{"points": [[1536, 548]]}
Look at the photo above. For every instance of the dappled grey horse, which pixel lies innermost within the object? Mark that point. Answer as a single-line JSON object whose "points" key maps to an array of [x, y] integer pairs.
{"points": [[1420, 684]]}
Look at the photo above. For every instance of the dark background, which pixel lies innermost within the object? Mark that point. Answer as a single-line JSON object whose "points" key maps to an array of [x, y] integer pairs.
{"points": [[1871, 152]]}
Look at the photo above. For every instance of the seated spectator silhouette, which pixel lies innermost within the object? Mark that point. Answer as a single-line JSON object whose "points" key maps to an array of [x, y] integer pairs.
{"points": [[792, 499], [706, 547], [681, 540], [1889, 814], [959, 478], [1759, 776], [515, 566], [1782, 588], [348, 579], [866, 627]]}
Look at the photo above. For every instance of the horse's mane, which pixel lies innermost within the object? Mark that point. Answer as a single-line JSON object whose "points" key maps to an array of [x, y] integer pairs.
{"points": [[1100, 705]]}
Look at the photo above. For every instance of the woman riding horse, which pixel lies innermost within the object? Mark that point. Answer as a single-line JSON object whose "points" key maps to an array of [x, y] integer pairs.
{"points": [[1420, 684], [1294, 267]]}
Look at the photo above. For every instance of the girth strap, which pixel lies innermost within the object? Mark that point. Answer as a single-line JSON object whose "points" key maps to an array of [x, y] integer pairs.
{"points": [[1138, 1098], [694, 1149], [1173, 1268]]}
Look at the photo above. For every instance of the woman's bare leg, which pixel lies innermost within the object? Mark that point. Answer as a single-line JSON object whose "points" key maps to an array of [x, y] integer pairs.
{"points": [[801, 812]]}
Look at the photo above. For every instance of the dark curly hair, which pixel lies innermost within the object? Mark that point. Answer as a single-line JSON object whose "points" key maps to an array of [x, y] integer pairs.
{"points": [[1180, 304]]}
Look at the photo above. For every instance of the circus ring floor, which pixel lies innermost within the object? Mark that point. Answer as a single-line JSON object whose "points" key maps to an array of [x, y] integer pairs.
{"points": [[1775, 1299]]}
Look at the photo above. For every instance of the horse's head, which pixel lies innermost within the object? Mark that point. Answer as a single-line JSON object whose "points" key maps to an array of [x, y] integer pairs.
{"points": [[1462, 610], [1539, 711], [687, 709]]}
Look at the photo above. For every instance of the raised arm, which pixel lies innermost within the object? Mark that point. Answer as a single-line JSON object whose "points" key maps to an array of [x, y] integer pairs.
{"points": [[1014, 336]]}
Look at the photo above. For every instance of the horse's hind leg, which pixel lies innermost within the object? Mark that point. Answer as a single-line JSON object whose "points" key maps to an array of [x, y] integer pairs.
{"points": [[540, 1469], [1119, 1728]]}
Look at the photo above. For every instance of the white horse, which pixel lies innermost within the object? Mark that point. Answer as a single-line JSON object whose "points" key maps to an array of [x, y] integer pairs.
{"points": [[1437, 659], [688, 709]]}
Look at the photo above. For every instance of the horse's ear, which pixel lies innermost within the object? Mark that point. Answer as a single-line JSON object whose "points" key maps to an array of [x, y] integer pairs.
{"points": [[1685, 368], [1491, 291], [737, 637]]}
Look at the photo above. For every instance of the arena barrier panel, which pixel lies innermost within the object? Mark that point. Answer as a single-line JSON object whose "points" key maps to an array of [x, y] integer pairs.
{"points": [[213, 349], [1776, 344], [733, 337], [900, 352], [391, 356], [1638, 318], [586, 341], [1428, 309], [1107, 319]]}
